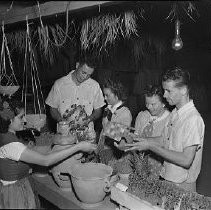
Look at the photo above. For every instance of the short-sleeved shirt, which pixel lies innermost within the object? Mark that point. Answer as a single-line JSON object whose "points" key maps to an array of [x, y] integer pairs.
{"points": [[144, 118], [11, 151], [65, 93], [184, 129]]}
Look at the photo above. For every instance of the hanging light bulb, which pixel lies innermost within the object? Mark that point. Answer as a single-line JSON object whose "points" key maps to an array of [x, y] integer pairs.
{"points": [[177, 43]]}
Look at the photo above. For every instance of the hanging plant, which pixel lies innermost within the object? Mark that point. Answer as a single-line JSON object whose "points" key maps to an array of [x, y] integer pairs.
{"points": [[31, 80], [8, 82], [48, 45]]}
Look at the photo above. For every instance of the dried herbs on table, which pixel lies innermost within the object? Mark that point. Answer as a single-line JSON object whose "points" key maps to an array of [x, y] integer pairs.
{"points": [[144, 183]]}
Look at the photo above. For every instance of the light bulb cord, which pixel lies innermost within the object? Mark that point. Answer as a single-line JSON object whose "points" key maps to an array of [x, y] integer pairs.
{"points": [[177, 27]]}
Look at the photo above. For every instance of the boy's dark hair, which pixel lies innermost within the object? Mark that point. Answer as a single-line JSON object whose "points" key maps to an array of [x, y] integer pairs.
{"points": [[182, 77]]}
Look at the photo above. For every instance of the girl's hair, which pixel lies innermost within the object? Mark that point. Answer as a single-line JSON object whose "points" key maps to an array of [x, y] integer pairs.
{"points": [[152, 90], [116, 88], [14, 108]]}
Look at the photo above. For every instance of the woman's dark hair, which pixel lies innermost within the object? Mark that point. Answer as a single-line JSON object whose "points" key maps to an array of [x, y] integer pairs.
{"points": [[14, 108], [180, 76], [116, 88], [152, 90]]}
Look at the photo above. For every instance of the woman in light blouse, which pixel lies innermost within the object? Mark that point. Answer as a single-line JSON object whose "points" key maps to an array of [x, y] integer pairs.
{"points": [[151, 122], [115, 111]]}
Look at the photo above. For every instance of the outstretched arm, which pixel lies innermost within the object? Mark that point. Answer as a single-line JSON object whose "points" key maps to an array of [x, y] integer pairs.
{"points": [[30, 156], [183, 159]]}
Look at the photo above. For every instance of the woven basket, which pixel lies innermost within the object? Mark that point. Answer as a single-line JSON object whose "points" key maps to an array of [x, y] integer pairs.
{"points": [[37, 121], [8, 90]]}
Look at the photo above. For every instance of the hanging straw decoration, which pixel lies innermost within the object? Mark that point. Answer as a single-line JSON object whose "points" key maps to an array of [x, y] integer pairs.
{"points": [[104, 29], [38, 119], [17, 40], [47, 45], [8, 82], [187, 6]]}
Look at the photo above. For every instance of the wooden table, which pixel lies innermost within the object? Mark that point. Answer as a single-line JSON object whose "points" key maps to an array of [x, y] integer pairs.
{"points": [[46, 187]]}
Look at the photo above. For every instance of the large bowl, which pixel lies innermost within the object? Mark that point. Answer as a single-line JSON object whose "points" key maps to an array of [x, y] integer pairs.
{"points": [[37, 121], [60, 171], [8, 90], [91, 181]]}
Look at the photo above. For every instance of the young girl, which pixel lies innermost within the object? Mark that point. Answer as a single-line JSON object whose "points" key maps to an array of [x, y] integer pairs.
{"points": [[15, 157], [116, 111]]}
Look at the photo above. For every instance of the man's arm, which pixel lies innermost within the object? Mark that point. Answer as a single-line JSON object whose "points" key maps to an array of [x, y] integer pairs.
{"points": [[183, 159], [55, 114], [95, 115]]}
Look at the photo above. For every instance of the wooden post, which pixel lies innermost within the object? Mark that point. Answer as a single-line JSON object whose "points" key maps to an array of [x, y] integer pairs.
{"points": [[17, 14]]}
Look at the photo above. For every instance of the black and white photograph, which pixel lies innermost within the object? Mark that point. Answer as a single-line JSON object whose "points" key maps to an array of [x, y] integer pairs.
{"points": [[105, 105]]}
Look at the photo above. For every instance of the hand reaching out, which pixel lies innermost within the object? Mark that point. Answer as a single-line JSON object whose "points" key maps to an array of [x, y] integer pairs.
{"points": [[141, 145], [86, 146]]}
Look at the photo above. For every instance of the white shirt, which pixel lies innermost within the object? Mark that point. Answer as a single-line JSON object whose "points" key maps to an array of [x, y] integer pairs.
{"points": [[65, 93], [185, 128]]}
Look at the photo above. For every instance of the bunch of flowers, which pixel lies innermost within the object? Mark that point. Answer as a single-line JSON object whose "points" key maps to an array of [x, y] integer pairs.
{"points": [[75, 116]]}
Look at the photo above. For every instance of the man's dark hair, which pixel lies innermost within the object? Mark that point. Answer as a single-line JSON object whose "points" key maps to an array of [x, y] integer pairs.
{"points": [[180, 76], [88, 60]]}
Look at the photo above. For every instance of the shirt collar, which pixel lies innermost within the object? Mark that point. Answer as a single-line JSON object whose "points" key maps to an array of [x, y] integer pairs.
{"points": [[81, 84], [184, 108], [114, 108], [156, 118]]}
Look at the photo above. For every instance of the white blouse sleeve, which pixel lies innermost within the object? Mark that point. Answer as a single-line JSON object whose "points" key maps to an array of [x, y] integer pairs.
{"points": [[141, 120], [12, 150]]}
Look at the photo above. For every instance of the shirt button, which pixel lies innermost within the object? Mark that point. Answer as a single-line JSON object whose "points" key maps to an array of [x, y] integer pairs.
{"points": [[77, 98]]}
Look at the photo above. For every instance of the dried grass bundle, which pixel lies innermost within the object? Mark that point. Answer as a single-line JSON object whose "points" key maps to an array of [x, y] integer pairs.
{"points": [[130, 23], [45, 45], [17, 40], [104, 29]]}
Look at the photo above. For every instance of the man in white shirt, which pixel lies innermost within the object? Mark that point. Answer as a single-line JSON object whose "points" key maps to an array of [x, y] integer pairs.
{"points": [[182, 141], [77, 88]]}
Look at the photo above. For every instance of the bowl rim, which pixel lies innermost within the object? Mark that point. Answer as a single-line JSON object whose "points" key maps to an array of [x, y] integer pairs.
{"points": [[92, 178]]}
